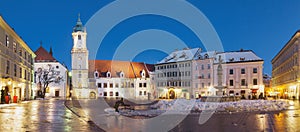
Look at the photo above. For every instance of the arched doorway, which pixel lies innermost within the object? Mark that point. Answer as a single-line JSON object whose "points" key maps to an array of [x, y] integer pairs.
{"points": [[92, 95], [171, 94]]}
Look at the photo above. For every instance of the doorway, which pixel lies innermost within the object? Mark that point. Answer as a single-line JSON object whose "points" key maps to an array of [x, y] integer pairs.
{"points": [[171, 94], [57, 93]]}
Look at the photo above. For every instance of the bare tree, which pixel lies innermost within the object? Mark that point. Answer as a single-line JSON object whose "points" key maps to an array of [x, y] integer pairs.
{"points": [[45, 77]]}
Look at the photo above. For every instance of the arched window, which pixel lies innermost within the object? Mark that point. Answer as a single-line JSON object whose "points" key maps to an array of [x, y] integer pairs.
{"points": [[122, 75], [143, 73], [96, 74], [108, 74]]}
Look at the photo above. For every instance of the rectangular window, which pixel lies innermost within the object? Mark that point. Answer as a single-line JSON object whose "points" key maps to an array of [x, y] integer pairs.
{"points": [[255, 81], [254, 70], [141, 93], [104, 85], [15, 70], [202, 67], [99, 85], [79, 37], [15, 47], [105, 94], [7, 67], [230, 82], [20, 51], [243, 82], [145, 84], [25, 74], [231, 71], [25, 55], [111, 93], [140, 85], [145, 92], [29, 76], [111, 85], [117, 94], [243, 71], [116, 85], [20, 74], [208, 66], [7, 41], [202, 85], [208, 76]]}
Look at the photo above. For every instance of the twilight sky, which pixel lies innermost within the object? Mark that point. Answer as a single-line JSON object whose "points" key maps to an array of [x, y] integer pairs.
{"points": [[263, 26]]}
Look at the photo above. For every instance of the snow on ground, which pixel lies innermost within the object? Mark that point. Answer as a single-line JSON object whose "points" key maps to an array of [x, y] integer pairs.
{"points": [[187, 106], [238, 106]]}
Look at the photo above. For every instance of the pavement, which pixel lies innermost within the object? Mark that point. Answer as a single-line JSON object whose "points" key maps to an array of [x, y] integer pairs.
{"points": [[42, 115], [69, 115], [243, 121]]}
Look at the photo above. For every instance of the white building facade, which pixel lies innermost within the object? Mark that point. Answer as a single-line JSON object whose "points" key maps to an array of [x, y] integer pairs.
{"points": [[131, 80], [79, 53]]}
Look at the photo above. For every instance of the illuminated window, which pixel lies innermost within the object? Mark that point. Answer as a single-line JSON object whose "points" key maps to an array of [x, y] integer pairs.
{"points": [[7, 41]]}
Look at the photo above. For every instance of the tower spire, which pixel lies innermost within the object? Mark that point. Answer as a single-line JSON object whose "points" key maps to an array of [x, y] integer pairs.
{"points": [[78, 26], [78, 20]]}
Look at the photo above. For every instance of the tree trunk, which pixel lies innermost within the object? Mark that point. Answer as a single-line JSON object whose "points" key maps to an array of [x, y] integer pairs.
{"points": [[45, 88]]}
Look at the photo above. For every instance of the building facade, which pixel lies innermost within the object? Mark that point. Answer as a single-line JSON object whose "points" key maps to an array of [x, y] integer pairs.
{"points": [[174, 74], [45, 61], [16, 64], [131, 80], [190, 73], [203, 74], [242, 73], [285, 69]]}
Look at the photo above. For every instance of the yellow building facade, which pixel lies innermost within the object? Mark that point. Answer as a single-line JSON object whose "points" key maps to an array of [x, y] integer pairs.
{"points": [[285, 70], [16, 64]]}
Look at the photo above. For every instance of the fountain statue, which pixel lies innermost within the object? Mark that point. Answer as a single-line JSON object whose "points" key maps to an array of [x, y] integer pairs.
{"points": [[220, 86]]}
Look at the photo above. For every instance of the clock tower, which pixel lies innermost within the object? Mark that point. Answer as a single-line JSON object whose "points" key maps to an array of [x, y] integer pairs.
{"points": [[79, 61]]}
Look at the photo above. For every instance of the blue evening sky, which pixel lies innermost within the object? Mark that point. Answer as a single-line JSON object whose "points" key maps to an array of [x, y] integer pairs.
{"points": [[263, 26]]}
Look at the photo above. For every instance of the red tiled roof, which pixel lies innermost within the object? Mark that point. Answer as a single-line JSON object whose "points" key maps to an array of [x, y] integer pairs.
{"points": [[130, 69], [42, 55]]}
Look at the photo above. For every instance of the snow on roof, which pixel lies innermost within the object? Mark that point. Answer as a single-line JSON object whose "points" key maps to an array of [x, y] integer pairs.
{"points": [[227, 57], [181, 55], [237, 56]]}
